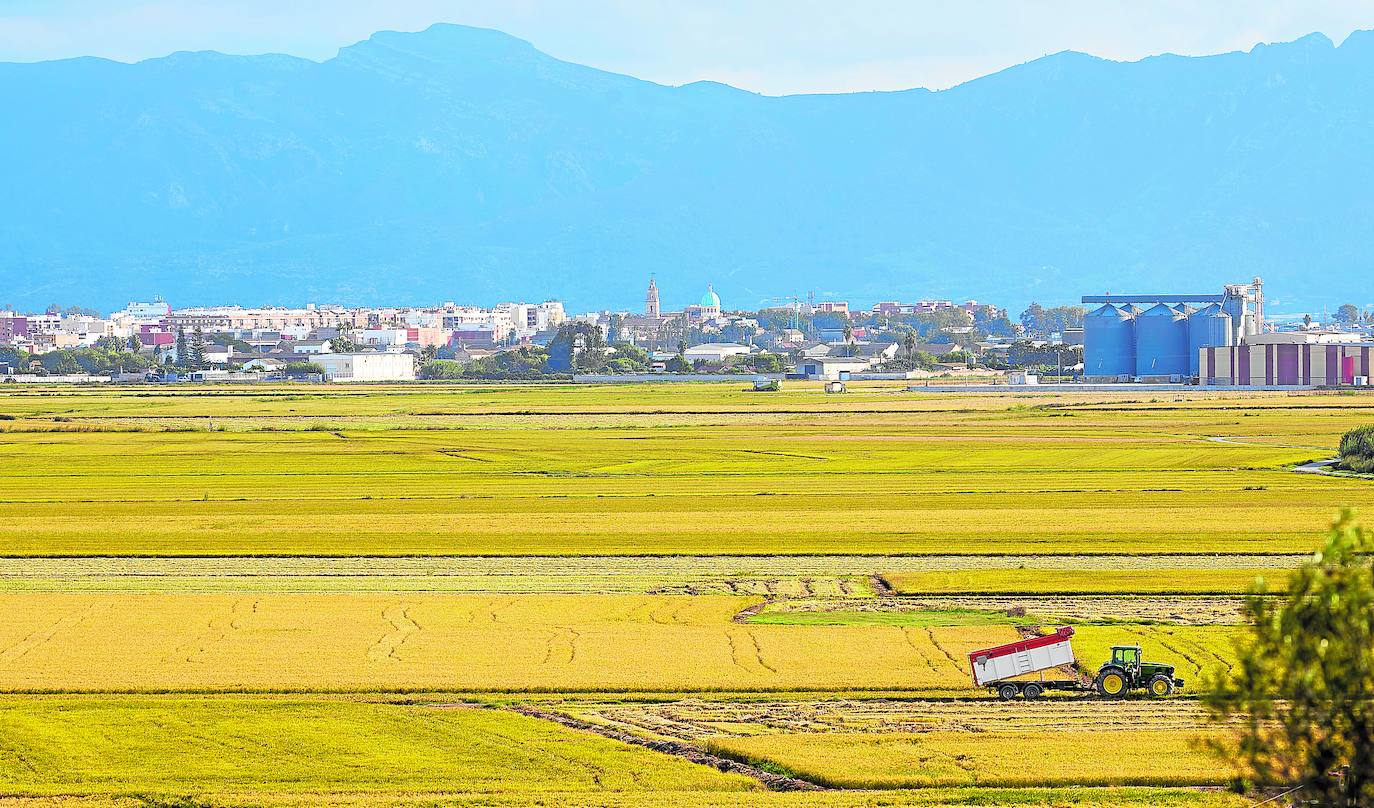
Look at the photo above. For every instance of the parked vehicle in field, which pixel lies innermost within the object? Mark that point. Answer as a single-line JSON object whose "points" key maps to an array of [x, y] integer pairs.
{"points": [[1003, 668]]}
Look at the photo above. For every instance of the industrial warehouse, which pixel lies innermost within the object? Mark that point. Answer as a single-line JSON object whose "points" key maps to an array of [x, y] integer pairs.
{"points": [[1213, 340]]}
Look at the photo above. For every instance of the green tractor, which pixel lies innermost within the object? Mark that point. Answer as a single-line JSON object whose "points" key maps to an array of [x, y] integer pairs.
{"points": [[1125, 672]]}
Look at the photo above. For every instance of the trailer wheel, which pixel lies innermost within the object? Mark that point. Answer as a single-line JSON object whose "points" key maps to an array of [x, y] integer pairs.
{"points": [[1161, 685], [1033, 691], [1007, 692]]}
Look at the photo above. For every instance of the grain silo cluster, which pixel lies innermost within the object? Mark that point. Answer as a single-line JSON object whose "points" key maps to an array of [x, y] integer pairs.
{"points": [[1159, 338]]}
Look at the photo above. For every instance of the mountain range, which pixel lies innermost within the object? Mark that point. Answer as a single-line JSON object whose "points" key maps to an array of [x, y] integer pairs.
{"points": [[463, 164]]}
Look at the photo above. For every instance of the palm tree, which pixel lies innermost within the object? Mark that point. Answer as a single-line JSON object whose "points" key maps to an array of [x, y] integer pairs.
{"points": [[909, 343]]}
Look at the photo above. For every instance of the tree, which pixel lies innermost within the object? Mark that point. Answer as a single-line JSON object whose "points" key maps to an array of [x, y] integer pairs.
{"points": [[60, 363], [909, 343], [1303, 684], [427, 354], [442, 369], [1040, 321], [344, 343], [197, 359], [767, 363], [577, 348], [1307, 321], [1347, 314], [302, 369], [181, 346], [135, 344]]}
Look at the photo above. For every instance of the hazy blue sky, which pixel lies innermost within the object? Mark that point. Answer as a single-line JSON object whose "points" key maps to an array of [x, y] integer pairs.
{"points": [[771, 46]]}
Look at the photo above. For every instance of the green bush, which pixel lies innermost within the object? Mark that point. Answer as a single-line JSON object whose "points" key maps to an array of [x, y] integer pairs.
{"points": [[1357, 450]]}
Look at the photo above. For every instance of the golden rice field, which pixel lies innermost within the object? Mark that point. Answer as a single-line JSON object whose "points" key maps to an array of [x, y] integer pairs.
{"points": [[362, 642], [877, 471], [313, 595]]}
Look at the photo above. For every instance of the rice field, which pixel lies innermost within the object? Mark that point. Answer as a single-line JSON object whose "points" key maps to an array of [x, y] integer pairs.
{"points": [[160, 745], [1003, 759], [339, 591], [369, 642], [880, 471]]}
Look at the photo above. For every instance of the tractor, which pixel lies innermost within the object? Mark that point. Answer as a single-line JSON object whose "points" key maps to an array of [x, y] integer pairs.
{"points": [[1125, 672], [1003, 668]]}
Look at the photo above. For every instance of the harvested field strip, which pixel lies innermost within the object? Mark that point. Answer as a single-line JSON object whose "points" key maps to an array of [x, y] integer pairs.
{"points": [[1069, 580], [696, 719], [942, 758], [1129, 797], [366, 642], [694, 754], [1188, 610], [844, 578]]}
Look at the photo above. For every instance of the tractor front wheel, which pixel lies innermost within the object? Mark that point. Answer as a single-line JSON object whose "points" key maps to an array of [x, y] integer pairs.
{"points": [[1112, 683], [1161, 685]]}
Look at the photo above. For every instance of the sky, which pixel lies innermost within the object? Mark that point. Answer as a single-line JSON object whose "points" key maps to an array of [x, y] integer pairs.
{"points": [[769, 46]]}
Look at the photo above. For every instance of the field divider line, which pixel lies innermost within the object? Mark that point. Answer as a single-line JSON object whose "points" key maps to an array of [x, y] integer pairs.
{"points": [[774, 782]]}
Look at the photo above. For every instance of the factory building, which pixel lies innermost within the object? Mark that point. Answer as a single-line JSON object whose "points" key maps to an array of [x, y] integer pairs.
{"points": [[1160, 337], [1289, 358]]}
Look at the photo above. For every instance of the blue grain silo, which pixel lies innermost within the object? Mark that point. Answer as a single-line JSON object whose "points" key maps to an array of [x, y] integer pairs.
{"points": [[1161, 342], [1208, 327], [1109, 342]]}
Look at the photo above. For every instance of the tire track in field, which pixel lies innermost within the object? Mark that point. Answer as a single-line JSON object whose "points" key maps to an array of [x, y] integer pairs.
{"points": [[931, 634], [1200, 649], [1159, 637], [909, 636], [746, 653], [561, 646], [37, 638], [758, 652], [402, 628], [218, 628], [492, 610]]}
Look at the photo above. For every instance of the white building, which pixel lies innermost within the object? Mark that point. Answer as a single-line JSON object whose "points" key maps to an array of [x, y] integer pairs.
{"points": [[384, 339], [714, 351], [310, 346], [832, 368], [155, 310], [367, 367]]}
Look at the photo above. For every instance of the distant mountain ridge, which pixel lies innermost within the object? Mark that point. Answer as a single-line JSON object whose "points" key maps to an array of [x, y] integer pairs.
{"points": [[464, 164]]}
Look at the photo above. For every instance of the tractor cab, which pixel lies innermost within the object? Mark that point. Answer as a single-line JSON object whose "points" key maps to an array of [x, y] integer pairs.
{"points": [[1126, 657]]}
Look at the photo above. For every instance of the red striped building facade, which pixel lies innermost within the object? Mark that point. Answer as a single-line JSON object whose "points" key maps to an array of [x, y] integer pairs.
{"points": [[1287, 363]]}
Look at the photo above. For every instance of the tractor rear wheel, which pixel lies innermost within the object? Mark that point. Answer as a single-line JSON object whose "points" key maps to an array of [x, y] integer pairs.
{"points": [[1033, 691], [1161, 685], [1112, 683], [1007, 692]]}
